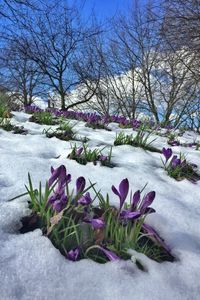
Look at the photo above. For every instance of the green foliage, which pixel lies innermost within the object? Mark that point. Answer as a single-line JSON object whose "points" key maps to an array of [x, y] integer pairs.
{"points": [[5, 121], [83, 155], [63, 132], [197, 146], [97, 126], [6, 124], [43, 117], [140, 140], [86, 154], [4, 108]]}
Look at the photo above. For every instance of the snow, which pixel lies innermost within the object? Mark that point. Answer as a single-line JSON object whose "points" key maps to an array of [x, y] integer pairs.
{"points": [[38, 101], [32, 268]]}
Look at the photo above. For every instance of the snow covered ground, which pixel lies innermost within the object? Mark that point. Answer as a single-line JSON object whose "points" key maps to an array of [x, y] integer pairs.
{"points": [[30, 266]]}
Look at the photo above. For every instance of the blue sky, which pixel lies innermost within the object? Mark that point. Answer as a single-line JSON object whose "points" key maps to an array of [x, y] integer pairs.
{"points": [[106, 8]]}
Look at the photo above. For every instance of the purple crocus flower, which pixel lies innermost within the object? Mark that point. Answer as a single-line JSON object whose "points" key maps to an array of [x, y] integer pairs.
{"points": [[122, 192], [175, 161], [80, 184], [58, 200], [167, 153], [73, 254], [151, 232], [135, 200], [103, 158], [79, 151], [110, 255], [146, 202], [136, 123], [97, 223], [127, 214], [59, 204], [60, 173], [175, 143], [85, 199]]}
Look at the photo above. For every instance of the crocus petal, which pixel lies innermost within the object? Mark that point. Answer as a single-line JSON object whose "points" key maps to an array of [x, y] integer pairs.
{"points": [[167, 153], [149, 210], [135, 200], [85, 199], [175, 161], [59, 172], [110, 255], [123, 189], [63, 177], [68, 178], [63, 173], [151, 232], [73, 254], [54, 176], [115, 191], [147, 200], [80, 184], [103, 158], [127, 214], [57, 205], [51, 200], [97, 223], [79, 151], [60, 203]]}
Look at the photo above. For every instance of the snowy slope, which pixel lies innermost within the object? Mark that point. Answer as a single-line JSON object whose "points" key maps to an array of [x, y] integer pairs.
{"points": [[30, 266]]}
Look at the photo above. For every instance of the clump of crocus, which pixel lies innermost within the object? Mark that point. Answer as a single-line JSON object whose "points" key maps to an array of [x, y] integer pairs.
{"points": [[175, 142], [63, 132], [140, 140], [83, 155], [102, 232], [136, 123], [105, 160], [126, 223], [43, 117], [178, 167], [172, 138], [97, 122], [5, 123], [30, 109]]}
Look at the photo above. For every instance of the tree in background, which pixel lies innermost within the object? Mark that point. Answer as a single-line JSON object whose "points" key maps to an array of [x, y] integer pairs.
{"points": [[181, 30], [53, 39], [21, 76]]}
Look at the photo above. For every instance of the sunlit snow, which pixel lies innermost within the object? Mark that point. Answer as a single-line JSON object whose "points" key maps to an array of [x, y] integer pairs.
{"points": [[30, 266]]}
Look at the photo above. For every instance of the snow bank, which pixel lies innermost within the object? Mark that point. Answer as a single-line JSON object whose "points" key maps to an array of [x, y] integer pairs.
{"points": [[30, 266]]}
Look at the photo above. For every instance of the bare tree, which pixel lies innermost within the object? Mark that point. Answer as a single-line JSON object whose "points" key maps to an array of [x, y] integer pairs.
{"points": [[21, 75], [12, 9], [181, 30], [54, 38], [134, 49]]}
